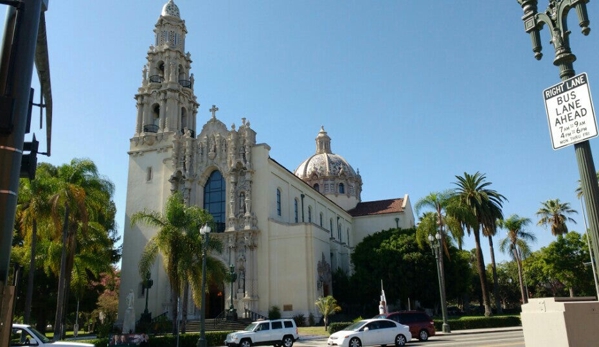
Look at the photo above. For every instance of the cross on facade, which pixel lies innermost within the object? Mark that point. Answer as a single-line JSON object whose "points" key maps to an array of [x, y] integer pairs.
{"points": [[213, 110]]}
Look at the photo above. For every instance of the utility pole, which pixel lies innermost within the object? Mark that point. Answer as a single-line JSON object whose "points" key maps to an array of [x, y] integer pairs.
{"points": [[17, 56]]}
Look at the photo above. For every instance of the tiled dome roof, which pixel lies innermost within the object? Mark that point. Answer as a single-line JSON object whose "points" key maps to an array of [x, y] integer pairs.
{"points": [[324, 163]]}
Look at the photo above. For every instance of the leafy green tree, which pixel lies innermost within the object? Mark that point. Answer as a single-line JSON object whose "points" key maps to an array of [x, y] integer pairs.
{"points": [[408, 271], [484, 205], [33, 207], [559, 269], [555, 214], [89, 231], [509, 293], [179, 242], [80, 196], [516, 243], [327, 306]]}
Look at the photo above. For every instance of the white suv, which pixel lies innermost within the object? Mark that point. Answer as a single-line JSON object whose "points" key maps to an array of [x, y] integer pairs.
{"points": [[278, 332], [25, 335]]}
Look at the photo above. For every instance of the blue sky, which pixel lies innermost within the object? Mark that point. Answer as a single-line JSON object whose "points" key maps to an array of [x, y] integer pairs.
{"points": [[412, 93]]}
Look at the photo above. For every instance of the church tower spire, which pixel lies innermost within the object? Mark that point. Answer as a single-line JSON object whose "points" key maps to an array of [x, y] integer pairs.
{"points": [[166, 103]]}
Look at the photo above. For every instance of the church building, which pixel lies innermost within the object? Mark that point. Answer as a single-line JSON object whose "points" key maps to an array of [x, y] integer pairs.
{"points": [[284, 231]]}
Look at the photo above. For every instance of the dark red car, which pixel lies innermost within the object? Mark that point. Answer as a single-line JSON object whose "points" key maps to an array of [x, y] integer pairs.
{"points": [[421, 325]]}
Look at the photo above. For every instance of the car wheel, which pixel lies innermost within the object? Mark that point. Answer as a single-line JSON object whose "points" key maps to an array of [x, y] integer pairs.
{"points": [[287, 341], [355, 342], [423, 335], [245, 343], [400, 340]]}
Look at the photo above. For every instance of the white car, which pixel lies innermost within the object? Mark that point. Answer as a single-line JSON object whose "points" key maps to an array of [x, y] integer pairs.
{"points": [[25, 335], [278, 333], [371, 332]]}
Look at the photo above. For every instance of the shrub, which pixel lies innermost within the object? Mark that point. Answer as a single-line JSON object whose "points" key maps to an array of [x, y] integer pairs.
{"points": [[311, 320], [274, 313], [335, 327], [300, 320], [480, 322]]}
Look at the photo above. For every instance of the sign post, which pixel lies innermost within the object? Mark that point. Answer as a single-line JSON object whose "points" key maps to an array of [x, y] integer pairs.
{"points": [[570, 112]]}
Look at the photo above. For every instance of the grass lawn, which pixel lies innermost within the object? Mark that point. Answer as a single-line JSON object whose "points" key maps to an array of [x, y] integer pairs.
{"points": [[313, 331]]}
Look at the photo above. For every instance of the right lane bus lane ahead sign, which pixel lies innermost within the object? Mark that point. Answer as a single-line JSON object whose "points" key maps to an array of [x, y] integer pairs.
{"points": [[570, 111]]}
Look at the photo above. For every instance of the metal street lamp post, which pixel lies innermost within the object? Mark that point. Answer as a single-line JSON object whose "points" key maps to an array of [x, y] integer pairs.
{"points": [[147, 284], [555, 17], [205, 231], [232, 314], [436, 246]]}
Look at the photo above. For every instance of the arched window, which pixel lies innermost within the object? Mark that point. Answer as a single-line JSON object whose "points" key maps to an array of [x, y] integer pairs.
{"points": [[278, 202], [309, 214], [341, 188], [321, 219], [316, 187], [295, 211], [339, 232], [214, 199]]}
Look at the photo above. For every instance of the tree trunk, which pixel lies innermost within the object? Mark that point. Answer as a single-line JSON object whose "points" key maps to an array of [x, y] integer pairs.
{"points": [[31, 273], [184, 308], [62, 280], [175, 308], [495, 281], [480, 261], [520, 277]]}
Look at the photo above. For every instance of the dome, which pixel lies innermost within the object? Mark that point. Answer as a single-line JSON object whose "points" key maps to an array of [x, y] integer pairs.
{"points": [[330, 174], [324, 163], [170, 9]]}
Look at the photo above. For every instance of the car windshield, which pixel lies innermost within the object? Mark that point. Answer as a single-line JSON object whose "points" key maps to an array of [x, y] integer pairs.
{"points": [[39, 335], [356, 326], [250, 327]]}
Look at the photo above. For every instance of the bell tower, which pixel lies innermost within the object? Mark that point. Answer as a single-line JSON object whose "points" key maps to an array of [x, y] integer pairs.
{"points": [[160, 151], [166, 103]]}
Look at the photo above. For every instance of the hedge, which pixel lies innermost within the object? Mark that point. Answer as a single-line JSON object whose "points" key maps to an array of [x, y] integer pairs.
{"points": [[479, 322]]}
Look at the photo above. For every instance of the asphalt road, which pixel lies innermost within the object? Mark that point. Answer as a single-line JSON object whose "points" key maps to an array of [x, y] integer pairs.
{"points": [[486, 339]]}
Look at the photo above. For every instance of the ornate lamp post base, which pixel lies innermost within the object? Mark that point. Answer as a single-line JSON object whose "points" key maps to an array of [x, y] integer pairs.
{"points": [[232, 314]]}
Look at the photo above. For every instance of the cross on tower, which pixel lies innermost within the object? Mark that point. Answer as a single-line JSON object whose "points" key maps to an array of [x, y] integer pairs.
{"points": [[213, 110]]}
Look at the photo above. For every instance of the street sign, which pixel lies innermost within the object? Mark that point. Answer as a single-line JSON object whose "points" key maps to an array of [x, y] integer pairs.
{"points": [[570, 111]]}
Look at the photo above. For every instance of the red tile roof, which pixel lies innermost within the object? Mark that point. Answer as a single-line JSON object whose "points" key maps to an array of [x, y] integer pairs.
{"points": [[377, 207]]}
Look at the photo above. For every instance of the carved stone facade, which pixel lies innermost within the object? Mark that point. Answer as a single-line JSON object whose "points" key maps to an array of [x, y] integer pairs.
{"points": [[284, 233]]}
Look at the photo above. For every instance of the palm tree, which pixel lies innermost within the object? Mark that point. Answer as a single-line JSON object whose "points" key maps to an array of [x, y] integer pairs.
{"points": [[553, 213], [517, 242], [179, 242], [327, 306], [33, 207], [439, 202], [579, 188], [80, 195], [484, 206]]}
